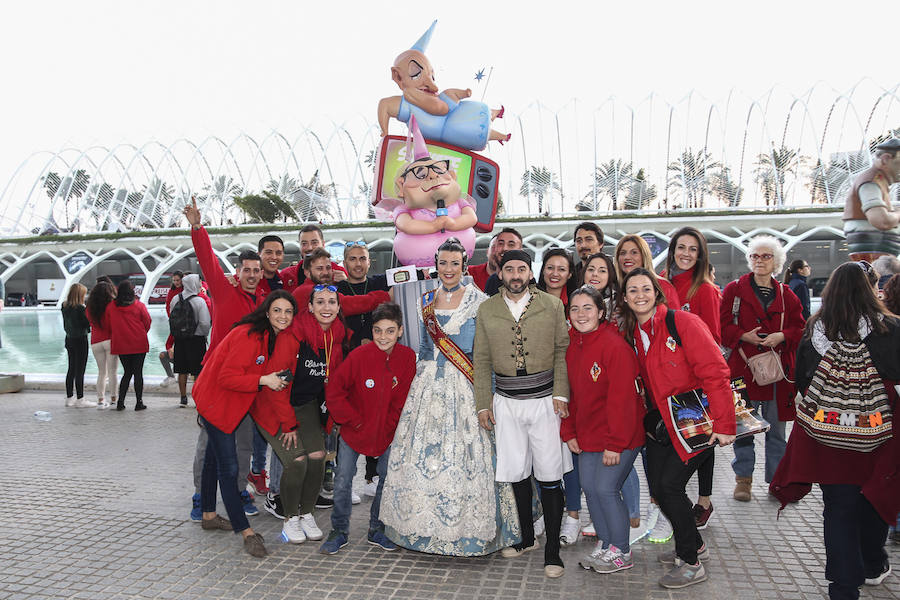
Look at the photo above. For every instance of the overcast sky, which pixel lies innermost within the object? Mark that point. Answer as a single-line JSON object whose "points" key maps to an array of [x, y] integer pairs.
{"points": [[84, 72]]}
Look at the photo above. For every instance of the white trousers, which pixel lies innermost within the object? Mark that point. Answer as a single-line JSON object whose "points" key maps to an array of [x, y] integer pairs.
{"points": [[527, 435], [107, 364]]}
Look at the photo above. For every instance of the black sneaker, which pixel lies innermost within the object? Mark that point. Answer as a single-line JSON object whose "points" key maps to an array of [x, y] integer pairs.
{"points": [[323, 502], [273, 506], [328, 480], [184, 402]]}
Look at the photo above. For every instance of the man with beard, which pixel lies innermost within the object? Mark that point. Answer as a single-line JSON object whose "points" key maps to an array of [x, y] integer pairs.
{"points": [[508, 239], [311, 238], [521, 338], [588, 240]]}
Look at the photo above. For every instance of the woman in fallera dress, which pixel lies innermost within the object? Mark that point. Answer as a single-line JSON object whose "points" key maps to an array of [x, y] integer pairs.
{"points": [[439, 495]]}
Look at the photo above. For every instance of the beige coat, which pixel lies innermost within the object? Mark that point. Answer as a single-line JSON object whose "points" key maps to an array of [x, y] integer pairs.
{"points": [[545, 337]]}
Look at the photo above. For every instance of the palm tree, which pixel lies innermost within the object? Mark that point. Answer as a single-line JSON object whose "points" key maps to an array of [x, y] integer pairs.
{"points": [[541, 182], [610, 178], [725, 188], [219, 193], [689, 174], [771, 170], [640, 193], [829, 183]]}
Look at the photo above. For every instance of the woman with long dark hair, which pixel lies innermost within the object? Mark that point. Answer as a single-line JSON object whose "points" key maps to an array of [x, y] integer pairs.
{"points": [[255, 355], [100, 297], [557, 276], [687, 267], [860, 484], [77, 327], [796, 275], [129, 322], [670, 367], [599, 271]]}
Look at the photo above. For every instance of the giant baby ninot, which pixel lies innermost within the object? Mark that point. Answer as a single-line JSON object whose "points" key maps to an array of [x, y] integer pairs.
{"points": [[445, 117]]}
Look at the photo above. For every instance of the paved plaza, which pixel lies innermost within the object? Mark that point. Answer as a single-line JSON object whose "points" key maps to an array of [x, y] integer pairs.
{"points": [[96, 503]]}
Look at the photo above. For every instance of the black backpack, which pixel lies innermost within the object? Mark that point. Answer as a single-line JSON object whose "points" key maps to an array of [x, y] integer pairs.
{"points": [[182, 320]]}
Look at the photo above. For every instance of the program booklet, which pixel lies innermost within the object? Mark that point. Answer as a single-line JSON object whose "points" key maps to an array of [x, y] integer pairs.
{"points": [[693, 425]]}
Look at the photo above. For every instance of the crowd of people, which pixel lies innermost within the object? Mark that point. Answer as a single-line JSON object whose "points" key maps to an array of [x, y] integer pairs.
{"points": [[553, 382]]}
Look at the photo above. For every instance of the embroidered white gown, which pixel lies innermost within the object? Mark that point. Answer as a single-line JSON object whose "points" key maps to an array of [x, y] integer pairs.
{"points": [[440, 495]]}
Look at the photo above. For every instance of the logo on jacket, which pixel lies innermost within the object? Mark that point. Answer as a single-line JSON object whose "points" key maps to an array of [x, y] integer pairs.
{"points": [[370, 383], [260, 359], [595, 372], [670, 343]]}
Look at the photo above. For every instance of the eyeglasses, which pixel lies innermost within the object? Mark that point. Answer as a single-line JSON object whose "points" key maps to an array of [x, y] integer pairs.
{"points": [[320, 287], [421, 171], [765, 256], [360, 243]]}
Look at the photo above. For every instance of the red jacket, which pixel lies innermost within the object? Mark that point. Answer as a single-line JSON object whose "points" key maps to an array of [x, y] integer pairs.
{"points": [[99, 330], [704, 303], [479, 275], [228, 386], [673, 300], [669, 369], [128, 327], [605, 410], [750, 315], [350, 305], [230, 303], [367, 394], [291, 276]]}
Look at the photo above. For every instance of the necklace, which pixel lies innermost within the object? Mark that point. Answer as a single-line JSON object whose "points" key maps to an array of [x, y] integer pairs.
{"points": [[448, 293]]}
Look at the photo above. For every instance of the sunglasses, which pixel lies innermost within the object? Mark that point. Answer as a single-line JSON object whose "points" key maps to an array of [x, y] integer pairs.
{"points": [[321, 287], [865, 265], [421, 171], [765, 256], [360, 243]]}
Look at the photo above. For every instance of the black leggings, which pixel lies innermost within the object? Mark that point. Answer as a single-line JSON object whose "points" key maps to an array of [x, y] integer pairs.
{"points": [[705, 473], [133, 365], [77, 349]]}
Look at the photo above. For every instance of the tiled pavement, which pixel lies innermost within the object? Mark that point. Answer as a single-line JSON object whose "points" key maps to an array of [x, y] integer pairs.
{"points": [[95, 505]]}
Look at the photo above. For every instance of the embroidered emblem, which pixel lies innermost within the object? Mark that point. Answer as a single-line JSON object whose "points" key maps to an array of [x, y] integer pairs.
{"points": [[370, 383], [595, 371], [394, 382], [670, 343], [686, 307], [260, 359]]}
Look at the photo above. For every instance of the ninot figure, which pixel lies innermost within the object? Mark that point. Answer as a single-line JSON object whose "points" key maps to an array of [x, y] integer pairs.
{"points": [[445, 117]]}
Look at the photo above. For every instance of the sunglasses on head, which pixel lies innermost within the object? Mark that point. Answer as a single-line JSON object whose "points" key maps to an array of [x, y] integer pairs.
{"points": [[865, 265], [321, 287], [360, 243]]}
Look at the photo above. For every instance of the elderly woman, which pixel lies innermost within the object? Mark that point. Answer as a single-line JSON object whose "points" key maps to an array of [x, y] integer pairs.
{"points": [[759, 314]]}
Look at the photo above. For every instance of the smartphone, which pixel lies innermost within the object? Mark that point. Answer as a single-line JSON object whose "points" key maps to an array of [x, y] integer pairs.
{"points": [[762, 335], [286, 376]]}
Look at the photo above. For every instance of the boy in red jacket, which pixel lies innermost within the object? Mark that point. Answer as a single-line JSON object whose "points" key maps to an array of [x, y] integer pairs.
{"points": [[365, 397]]}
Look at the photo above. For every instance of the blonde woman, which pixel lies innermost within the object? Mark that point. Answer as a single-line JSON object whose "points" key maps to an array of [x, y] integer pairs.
{"points": [[107, 363], [77, 327]]}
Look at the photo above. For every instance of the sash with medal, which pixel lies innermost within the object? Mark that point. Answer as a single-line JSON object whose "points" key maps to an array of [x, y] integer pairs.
{"points": [[442, 341]]}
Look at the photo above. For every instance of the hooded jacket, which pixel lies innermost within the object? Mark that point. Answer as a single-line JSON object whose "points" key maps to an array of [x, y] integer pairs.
{"points": [[190, 286]]}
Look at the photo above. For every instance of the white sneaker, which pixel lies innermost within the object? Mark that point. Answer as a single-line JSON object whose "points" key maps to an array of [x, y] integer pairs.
{"points": [[539, 526], [371, 488], [70, 402], [83, 403], [167, 382], [292, 531], [354, 498], [308, 524], [570, 530], [588, 530], [103, 404], [662, 531]]}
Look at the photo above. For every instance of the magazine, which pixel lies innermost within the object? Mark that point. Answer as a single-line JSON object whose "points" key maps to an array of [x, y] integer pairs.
{"points": [[693, 425]]}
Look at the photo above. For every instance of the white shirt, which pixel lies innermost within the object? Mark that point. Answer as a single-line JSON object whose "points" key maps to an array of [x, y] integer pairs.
{"points": [[517, 307]]}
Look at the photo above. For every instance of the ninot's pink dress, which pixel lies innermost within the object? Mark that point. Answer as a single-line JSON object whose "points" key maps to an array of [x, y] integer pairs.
{"points": [[419, 250]]}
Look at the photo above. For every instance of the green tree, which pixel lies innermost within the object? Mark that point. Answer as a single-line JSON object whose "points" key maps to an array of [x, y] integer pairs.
{"points": [[689, 175], [771, 170], [541, 182], [640, 193], [265, 207], [216, 198], [725, 188]]}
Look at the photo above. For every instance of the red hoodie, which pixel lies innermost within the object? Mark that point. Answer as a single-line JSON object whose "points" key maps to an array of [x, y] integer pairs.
{"points": [[704, 303], [605, 410], [479, 275], [228, 386], [128, 326], [669, 369], [367, 394], [230, 303]]}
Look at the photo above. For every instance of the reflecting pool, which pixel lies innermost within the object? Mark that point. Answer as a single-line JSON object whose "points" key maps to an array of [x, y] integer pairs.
{"points": [[34, 342]]}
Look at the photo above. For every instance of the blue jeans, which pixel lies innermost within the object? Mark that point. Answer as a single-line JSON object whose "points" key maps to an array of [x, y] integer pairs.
{"points": [[631, 493], [220, 465], [243, 437], [344, 473], [854, 540], [258, 460], [603, 490], [275, 471], [744, 454], [572, 486]]}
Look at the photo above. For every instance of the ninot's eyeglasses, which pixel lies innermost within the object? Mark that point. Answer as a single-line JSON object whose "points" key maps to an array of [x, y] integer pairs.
{"points": [[765, 256], [360, 243], [421, 171], [321, 287]]}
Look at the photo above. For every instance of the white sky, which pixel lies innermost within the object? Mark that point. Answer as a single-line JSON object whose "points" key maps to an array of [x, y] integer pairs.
{"points": [[78, 72]]}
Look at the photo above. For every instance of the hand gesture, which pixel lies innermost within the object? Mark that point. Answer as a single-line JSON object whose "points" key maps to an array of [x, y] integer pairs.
{"points": [[289, 439], [272, 381], [751, 336], [773, 339], [561, 408], [610, 458], [486, 419], [573, 446], [192, 212], [721, 438]]}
